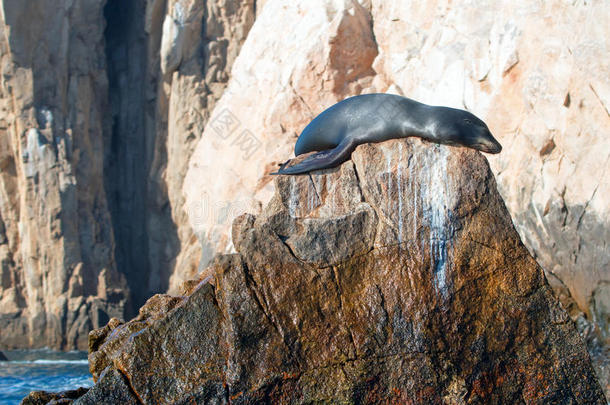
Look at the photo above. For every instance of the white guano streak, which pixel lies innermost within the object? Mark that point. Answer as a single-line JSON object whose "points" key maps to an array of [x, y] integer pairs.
{"points": [[293, 201], [400, 190], [428, 183], [436, 203]]}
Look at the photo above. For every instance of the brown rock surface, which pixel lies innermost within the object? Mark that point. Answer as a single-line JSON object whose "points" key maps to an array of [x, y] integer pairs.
{"points": [[102, 104], [44, 397], [537, 73], [396, 277]]}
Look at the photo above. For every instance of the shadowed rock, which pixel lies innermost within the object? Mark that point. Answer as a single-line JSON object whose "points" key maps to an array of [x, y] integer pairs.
{"points": [[397, 276], [44, 397]]}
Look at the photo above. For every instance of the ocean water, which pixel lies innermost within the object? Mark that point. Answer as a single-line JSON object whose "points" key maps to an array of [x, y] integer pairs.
{"points": [[46, 370]]}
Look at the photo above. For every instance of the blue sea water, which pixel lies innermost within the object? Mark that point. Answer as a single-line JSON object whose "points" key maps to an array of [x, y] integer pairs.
{"points": [[36, 370]]}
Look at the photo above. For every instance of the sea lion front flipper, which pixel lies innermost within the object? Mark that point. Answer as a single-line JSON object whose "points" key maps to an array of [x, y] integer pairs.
{"points": [[322, 160]]}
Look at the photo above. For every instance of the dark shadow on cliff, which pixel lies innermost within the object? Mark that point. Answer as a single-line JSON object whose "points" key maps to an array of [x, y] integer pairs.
{"points": [[146, 238]]}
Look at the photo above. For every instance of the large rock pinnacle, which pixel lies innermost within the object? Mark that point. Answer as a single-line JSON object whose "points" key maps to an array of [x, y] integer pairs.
{"points": [[397, 276]]}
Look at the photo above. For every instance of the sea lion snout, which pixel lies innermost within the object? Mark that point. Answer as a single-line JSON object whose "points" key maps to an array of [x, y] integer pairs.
{"points": [[479, 137], [495, 148], [490, 148], [488, 143]]}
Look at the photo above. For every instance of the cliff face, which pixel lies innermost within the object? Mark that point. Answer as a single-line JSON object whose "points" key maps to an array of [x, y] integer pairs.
{"points": [[535, 72], [101, 102], [104, 102], [168, 63], [59, 276], [538, 72], [396, 277]]}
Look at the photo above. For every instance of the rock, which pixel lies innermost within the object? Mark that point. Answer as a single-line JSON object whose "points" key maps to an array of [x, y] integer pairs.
{"points": [[176, 56], [86, 233], [50, 398], [120, 393], [3, 357], [415, 288], [113, 114], [196, 86], [99, 360], [543, 99], [548, 119], [58, 277]]}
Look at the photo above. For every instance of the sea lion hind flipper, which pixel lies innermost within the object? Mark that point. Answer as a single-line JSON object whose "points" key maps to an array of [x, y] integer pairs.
{"points": [[322, 160]]}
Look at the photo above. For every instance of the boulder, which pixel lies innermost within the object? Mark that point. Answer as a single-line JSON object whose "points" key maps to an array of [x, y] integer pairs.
{"points": [[539, 83], [398, 276], [53, 398]]}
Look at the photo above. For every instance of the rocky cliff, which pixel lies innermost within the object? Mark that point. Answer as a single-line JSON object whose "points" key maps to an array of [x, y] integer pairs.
{"points": [[536, 72], [59, 276], [395, 278], [102, 104]]}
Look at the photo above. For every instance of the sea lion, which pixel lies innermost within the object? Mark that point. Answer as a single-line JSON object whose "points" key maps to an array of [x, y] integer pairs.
{"points": [[378, 117]]}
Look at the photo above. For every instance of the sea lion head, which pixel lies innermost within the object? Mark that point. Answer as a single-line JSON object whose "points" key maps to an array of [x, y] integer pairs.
{"points": [[460, 127]]}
